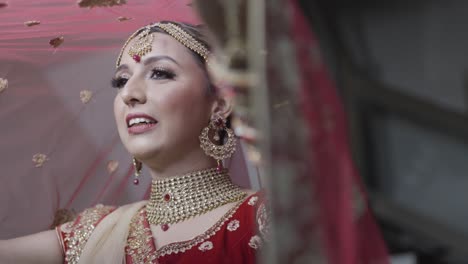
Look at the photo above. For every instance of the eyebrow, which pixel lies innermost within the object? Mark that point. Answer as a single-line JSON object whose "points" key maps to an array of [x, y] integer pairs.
{"points": [[148, 61], [158, 58], [121, 67]]}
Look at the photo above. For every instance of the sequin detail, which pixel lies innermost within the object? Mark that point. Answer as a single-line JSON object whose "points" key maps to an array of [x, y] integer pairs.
{"points": [[140, 242], [186, 245], [140, 245], [78, 233]]}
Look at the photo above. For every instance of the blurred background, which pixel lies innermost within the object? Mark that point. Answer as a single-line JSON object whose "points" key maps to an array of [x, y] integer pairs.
{"points": [[402, 70]]}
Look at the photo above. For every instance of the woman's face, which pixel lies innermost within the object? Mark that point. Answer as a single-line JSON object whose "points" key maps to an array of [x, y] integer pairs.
{"points": [[162, 103]]}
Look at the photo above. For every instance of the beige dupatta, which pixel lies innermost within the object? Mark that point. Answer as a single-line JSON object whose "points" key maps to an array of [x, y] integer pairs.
{"points": [[106, 245]]}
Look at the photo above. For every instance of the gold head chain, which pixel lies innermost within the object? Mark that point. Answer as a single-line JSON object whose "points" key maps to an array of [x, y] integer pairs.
{"points": [[144, 42]]}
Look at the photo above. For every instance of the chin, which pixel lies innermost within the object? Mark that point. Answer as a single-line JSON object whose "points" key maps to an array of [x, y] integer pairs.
{"points": [[143, 149]]}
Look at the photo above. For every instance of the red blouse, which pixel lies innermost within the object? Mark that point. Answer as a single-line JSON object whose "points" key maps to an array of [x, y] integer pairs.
{"points": [[235, 238]]}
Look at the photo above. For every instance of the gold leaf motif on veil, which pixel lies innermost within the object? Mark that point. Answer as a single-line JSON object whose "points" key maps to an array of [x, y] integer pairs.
{"points": [[123, 18], [39, 159], [3, 84], [32, 23], [55, 42], [112, 166], [85, 96], [100, 3]]}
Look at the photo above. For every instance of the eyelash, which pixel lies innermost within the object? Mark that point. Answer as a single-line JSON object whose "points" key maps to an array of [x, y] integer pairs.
{"points": [[157, 74], [118, 82], [166, 74]]}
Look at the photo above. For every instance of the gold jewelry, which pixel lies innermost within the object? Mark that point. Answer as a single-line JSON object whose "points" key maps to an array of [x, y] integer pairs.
{"points": [[179, 198], [185, 39], [144, 43], [137, 165], [218, 152]]}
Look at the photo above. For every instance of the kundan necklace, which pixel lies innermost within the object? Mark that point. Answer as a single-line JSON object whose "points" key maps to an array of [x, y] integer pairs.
{"points": [[179, 198]]}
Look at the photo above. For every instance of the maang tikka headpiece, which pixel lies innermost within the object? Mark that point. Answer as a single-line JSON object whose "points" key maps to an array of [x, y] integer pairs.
{"points": [[144, 41]]}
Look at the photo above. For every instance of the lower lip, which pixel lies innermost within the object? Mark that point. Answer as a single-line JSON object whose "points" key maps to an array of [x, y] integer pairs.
{"points": [[140, 129]]}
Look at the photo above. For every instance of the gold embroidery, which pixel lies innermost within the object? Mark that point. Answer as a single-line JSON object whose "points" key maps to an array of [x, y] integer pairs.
{"points": [[139, 242], [81, 231], [186, 245]]}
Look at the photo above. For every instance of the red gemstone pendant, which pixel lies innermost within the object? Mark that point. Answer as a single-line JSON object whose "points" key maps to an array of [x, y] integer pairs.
{"points": [[165, 227], [136, 58], [136, 181], [167, 197]]}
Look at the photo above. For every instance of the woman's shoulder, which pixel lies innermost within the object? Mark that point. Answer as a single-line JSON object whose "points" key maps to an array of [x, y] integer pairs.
{"points": [[74, 234], [249, 226], [92, 216], [254, 200], [255, 208]]}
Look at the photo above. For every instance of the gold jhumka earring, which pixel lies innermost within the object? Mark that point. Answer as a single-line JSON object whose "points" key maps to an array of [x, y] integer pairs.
{"points": [[137, 165], [221, 150]]}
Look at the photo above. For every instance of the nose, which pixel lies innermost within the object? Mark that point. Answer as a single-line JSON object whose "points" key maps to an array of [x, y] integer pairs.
{"points": [[134, 92]]}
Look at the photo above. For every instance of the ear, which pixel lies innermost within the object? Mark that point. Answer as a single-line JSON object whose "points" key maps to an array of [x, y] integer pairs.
{"points": [[223, 105]]}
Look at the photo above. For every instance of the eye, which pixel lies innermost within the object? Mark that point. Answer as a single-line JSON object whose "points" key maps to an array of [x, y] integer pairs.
{"points": [[161, 74], [118, 82]]}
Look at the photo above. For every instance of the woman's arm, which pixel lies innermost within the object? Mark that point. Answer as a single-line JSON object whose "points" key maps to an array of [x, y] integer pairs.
{"points": [[42, 247]]}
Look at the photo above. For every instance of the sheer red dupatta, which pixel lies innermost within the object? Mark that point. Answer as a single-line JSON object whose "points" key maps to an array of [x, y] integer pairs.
{"points": [[350, 235]]}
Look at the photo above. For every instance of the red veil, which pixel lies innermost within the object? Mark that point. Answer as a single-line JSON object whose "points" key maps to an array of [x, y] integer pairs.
{"points": [[349, 232]]}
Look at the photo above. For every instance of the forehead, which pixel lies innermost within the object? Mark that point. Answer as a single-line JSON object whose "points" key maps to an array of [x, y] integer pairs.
{"points": [[162, 44]]}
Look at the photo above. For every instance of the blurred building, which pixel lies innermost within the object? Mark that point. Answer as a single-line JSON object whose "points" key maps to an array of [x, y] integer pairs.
{"points": [[402, 70]]}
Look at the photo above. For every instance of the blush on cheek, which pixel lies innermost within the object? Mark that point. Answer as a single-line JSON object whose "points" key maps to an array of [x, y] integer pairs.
{"points": [[185, 108]]}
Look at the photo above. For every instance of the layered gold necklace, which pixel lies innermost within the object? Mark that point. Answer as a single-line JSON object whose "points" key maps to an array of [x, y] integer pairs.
{"points": [[179, 198]]}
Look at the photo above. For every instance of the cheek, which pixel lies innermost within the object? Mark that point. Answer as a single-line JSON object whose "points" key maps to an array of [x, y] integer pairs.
{"points": [[189, 106], [118, 110]]}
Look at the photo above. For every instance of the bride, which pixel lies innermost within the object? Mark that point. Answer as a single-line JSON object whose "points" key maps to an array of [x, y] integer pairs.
{"points": [[174, 120]]}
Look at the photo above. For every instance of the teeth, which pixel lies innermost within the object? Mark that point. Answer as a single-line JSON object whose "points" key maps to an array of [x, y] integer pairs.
{"points": [[139, 120]]}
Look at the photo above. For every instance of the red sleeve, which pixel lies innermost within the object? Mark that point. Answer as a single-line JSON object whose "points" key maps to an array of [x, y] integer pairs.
{"points": [[254, 224]]}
